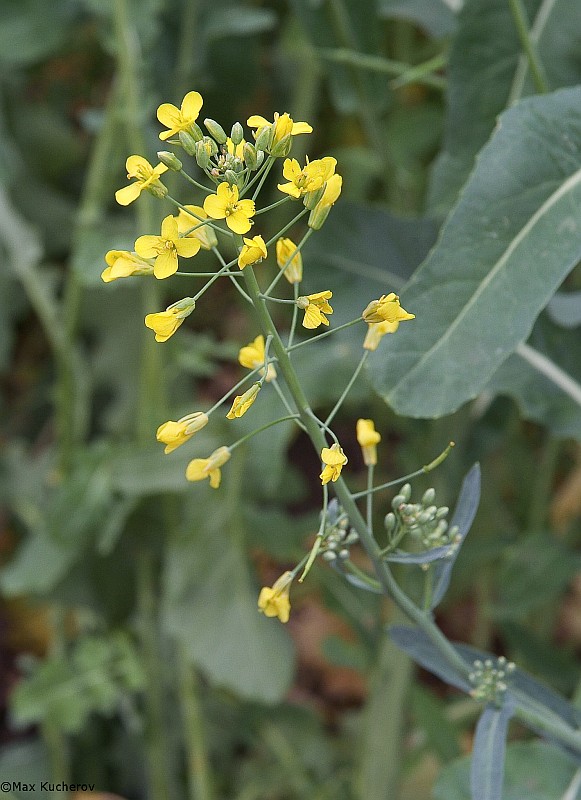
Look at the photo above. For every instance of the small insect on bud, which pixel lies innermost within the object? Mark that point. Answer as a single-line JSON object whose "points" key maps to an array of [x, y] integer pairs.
{"points": [[215, 130]]}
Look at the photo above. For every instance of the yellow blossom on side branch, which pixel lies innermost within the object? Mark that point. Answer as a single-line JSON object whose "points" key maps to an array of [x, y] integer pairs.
{"points": [[386, 309], [252, 355], [147, 177], [375, 333], [329, 197], [334, 460], [280, 131], [289, 259], [203, 233], [201, 468], [174, 434], [315, 307], [166, 248], [226, 205], [253, 251], [123, 264], [274, 601], [165, 323], [179, 119], [368, 438], [243, 402], [309, 178]]}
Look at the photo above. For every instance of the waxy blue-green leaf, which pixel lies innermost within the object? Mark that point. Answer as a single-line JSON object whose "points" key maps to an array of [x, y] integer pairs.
{"points": [[487, 770], [506, 247], [487, 72]]}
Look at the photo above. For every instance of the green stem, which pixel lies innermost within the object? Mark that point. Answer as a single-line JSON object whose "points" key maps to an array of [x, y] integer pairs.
{"points": [[344, 495], [191, 180], [324, 335], [210, 224], [272, 205], [267, 167], [369, 498], [261, 429], [197, 761], [347, 389], [297, 249], [295, 317], [538, 73], [405, 73]]}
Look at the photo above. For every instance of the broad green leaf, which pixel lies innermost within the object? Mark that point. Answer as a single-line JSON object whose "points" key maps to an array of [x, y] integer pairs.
{"points": [[543, 769], [210, 604], [27, 762], [488, 752], [565, 309], [487, 71], [435, 16], [506, 247]]}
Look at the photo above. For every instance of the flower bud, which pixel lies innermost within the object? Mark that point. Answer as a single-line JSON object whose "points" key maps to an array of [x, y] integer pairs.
{"points": [[236, 165], [344, 554], [406, 492], [205, 149], [428, 497], [329, 555], [231, 177], [283, 147], [170, 160], [250, 156], [389, 521], [237, 133], [352, 537], [312, 198], [263, 138], [188, 142], [259, 157], [215, 130]]}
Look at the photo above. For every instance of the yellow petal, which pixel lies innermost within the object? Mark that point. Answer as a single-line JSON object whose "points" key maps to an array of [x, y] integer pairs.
{"points": [[191, 105], [169, 115], [148, 246], [169, 228], [165, 264], [238, 222], [215, 207], [128, 194], [187, 247]]}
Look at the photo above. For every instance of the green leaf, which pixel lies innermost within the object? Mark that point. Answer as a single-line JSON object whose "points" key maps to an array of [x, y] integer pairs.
{"points": [[26, 762], [237, 21], [210, 605], [565, 309], [487, 770], [435, 16], [544, 770], [25, 36], [486, 69], [506, 247]]}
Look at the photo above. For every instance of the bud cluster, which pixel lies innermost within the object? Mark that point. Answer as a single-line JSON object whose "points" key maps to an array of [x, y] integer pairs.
{"points": [[337, 538], [489, 679], [423, 521]]}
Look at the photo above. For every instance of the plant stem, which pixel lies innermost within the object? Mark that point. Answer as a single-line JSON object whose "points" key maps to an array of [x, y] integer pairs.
{"points": [[347, 389], [197, 761], [323, 335], [553, 372], [536, 66], [405, 73]]}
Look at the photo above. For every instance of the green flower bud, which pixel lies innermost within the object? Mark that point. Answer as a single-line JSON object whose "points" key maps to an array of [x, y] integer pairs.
{"points": [[263, 138], [250, 156], [188, 142], [397, 501], [237, 133], [406, 491], [203, 153], [157, 189], [329, 555], [442, 512], [170, 160], [312, 198], [389, 521], [259, 157], [428, 497], [236, 165], [215, 130], [344, 554], [352, 538], [231, 177], [283, 147]]}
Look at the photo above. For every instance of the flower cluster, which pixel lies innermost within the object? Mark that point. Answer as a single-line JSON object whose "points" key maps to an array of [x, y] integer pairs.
{"points": [[224, 217]]}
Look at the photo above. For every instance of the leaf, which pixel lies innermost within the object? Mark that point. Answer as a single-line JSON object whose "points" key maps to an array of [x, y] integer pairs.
{"points": [[238, 21], [545, 771], [25, 37], [565, 309], [505, 248], [432, 15], [488, 752], [27, 762], [463, 517], [487, 72], [416, 644], [210, 605]]}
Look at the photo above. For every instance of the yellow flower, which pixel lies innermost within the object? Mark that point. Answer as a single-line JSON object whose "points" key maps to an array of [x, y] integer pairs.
{"points": [[123, 264], [253, 251], [243, 402], [226, 205], [368, 438], [179, 119], [329, 197], [274, 601], [147, 178], [174, 434], [309, 178], [201, 468], [204, 233], [334, 460], [375, 333], [252, 356], [315, 307], [290, 260], [386, 309], [166, 248], [165, 323], [281, 127]]}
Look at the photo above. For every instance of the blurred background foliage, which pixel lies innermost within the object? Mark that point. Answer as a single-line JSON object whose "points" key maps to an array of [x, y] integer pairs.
{"points": [[132, 654]]}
